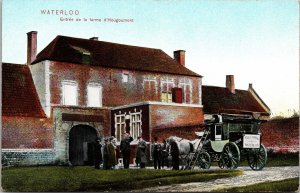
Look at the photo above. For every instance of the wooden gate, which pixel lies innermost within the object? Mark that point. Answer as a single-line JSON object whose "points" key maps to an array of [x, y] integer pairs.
{"points": [[81, 140]]}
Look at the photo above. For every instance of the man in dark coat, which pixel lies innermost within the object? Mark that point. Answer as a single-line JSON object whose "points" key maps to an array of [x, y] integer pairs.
{"points": [[97, 153], [141, 157], [175, 155], [125, 149], [105, 155], [156, 153], [164, 155]]}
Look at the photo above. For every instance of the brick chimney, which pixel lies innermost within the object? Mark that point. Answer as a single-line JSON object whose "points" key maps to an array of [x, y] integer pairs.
{"points": [[179, 56], [230, 83], [31, 46], [94, 38]]}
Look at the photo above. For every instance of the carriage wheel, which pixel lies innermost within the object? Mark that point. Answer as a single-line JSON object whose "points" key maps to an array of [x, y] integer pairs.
{"points": [[257, 158], [204, 160], [221, 163], [231, 155]]}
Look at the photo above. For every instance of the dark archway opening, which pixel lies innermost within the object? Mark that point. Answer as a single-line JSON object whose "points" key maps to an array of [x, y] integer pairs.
{"points": [[81, 145]]}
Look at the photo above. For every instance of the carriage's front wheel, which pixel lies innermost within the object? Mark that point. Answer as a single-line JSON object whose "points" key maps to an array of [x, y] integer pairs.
{"points": [[231, 155], [257, 158], [204, 160]]}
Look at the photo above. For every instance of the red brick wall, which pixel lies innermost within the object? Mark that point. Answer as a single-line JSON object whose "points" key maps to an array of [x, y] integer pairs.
{"points": [[281, 134], [115, 92], [26, 132], [175, 120]]}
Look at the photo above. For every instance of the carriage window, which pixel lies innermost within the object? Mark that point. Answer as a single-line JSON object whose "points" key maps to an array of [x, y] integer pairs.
{"points": [[119, 126], [218, 132], [226, 130], [242, 127]]}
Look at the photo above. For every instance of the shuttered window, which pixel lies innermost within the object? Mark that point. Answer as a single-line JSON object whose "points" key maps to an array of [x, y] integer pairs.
{"points": [[69, 93]]}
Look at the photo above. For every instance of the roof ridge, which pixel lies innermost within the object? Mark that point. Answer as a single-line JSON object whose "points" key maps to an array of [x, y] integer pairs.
{"points": [[224, 87], [9, 63], [109, 54], [114, 43]]}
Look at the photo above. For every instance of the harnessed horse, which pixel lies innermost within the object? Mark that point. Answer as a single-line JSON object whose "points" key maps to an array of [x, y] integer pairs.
{"points": [[185, 146]]}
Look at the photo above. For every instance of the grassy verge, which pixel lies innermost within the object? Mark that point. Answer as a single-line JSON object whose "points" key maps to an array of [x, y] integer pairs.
{"points": [[283, 159], [274, 160], [288, 185], [55, 178]]}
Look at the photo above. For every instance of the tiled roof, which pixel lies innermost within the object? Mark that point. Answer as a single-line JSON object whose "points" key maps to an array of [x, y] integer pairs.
{"points": [[19, 96], [106, 54], [221, 100]]}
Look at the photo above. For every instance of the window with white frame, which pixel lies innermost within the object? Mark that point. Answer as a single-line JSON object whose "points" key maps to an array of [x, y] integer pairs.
{"points": [[166, 89], [69, 93], [94, 95], [125, 77], [120, 126], [186, 85], [136, 124], [150, 87]]}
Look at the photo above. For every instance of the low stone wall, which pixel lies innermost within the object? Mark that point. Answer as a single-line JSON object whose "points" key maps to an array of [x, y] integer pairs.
{"points": [[27, 157]]}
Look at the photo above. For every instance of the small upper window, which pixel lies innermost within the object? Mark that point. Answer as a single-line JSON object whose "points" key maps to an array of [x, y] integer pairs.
{"points": [[94, 92], [69, 90], [86, 58], [125, 77]]}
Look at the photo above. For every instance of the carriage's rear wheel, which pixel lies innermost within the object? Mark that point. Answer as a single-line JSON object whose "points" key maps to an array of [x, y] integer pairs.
{"points": [[231, 155], [257, 158], [221, 163], [204, 160]]}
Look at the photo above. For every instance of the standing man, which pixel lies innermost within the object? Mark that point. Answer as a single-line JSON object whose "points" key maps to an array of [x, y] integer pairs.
{"points": [[141, 157], [97, 153], [175, 155], [105, 154], [125, 149], [156, 153]]}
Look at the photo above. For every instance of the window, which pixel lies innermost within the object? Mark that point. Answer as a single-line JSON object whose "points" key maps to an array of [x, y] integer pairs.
{"points": [[186, 85], [69, 91], [136, 124], [94, 95], [166, 90], [119, 126], [218, 132], [125, 77], [86, 58], [166, 97], [150, 87]]}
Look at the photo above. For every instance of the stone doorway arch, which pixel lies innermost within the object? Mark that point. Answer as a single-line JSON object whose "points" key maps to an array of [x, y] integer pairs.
{"points": [[81, 145]]}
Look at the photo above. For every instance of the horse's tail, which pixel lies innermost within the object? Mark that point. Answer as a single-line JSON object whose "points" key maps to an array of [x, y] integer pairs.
{"points": [[191, 147]]}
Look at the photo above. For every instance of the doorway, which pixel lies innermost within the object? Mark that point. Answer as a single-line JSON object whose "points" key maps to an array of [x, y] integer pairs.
{"points": [[81, 145]]}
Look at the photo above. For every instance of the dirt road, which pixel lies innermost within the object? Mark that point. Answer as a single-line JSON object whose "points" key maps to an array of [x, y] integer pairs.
{"points": [[249, 177]]}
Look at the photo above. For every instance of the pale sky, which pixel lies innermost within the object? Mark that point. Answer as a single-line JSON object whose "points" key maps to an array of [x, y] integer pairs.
{"points": [[256, 41]]}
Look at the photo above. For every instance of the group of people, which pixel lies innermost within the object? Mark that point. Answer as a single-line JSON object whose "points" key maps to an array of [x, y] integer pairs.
{"points": [[105, 153], [159, 153]]}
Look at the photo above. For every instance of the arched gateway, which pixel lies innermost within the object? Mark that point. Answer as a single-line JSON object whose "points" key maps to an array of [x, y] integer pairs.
{"points": [[81, 140]]}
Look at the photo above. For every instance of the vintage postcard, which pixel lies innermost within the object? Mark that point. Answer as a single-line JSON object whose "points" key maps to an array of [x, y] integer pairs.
{"points": [[150, 96]]}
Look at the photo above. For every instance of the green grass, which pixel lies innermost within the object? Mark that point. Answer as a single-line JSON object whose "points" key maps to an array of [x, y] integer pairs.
{"points": [[56, 178], [274, 160], [288, 185], [283, 159]]}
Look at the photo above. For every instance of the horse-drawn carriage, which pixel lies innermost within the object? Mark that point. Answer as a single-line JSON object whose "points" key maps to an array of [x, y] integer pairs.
{"points": [[227, 139]]}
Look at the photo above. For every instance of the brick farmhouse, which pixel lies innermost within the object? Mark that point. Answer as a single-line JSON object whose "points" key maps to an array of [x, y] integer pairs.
{"points": [[75, 90]]}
